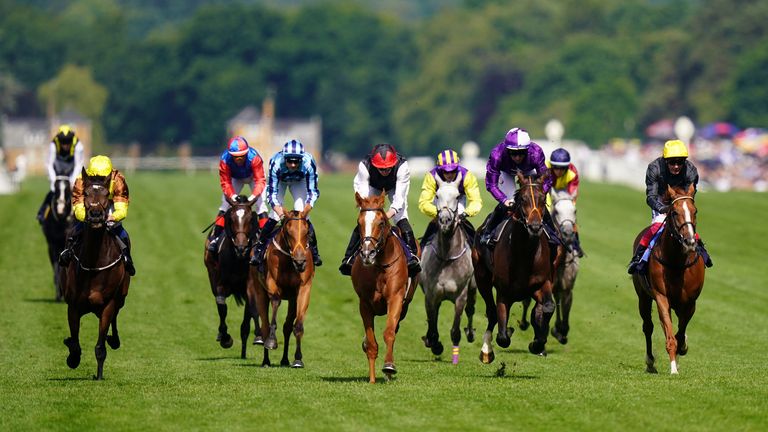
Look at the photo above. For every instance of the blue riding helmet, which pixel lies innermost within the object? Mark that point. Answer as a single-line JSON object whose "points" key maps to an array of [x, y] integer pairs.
{"points": [[560, 158], [293, 148]]}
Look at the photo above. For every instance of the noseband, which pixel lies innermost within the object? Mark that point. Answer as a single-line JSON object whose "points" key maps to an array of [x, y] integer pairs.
{"points": [[675, 232], [291, 249], [535, 209]]}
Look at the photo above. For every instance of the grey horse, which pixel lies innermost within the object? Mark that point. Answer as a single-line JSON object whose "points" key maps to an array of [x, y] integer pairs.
{"points": [[564, 215], [447, 270]]}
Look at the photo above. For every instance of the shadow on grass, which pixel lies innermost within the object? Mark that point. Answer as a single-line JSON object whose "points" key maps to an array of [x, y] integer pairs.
{"points": [[43, 300], [233, 357], [85, 378], [361, 379]]}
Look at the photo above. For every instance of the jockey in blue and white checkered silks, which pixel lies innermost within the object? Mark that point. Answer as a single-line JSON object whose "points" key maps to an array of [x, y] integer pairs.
{"points": [[292, 169]]}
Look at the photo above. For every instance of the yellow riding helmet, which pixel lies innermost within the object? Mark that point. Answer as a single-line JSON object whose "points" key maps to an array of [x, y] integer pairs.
{"points": [[675, 149], [448, 160], [99, 166]]}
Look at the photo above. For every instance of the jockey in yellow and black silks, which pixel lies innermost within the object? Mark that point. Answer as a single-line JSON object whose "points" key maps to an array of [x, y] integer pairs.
{"points": [[65, 159]]}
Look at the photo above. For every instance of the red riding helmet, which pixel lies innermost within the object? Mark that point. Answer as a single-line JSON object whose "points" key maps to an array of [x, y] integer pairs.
{"points": [[383, 156]]}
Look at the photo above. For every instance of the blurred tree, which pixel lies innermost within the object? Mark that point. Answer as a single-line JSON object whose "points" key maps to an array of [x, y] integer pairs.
{"points": [[9, 90], [74, 88], [748, 90]]}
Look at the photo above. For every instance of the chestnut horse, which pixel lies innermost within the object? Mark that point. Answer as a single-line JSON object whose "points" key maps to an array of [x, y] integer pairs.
{"points": [[95, 280], [519, 267], [228, 269], [289, 271], [675, 277], [56, 221], [380, 278]]}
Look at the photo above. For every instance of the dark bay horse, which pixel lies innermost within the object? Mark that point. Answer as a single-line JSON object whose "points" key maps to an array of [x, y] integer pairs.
{"points": [[380, 278], [675, 277], [519, 267], [289, 271], [96, 280], [56, 221], [228, 269], [447, 271]]}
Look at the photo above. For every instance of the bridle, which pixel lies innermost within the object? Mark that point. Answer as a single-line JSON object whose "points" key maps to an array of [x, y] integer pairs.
{"points": [[455, 223], [55, 199], [523, 219], [231, 232], [676, 228], [290, 249], [99, 205], [381, 241]]}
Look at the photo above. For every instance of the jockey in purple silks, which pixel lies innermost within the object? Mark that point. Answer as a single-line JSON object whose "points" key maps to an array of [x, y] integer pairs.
{"points": [[516, 153]]}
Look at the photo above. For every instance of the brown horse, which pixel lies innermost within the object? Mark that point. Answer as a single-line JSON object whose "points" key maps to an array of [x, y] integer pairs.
{"points": [[56, 221], [519, 267], [380, 278], [288, 275], [96, 280], [228, 269], [675, 277]]}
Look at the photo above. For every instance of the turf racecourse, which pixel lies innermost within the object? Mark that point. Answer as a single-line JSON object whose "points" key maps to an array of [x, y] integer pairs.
{"points": [[170, 374]]}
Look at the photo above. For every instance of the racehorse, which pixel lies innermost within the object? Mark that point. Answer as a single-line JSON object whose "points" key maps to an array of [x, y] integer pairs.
{"points": [[564, 215], [447, 270], [675, 277], [289, 271], [95, 280], [519, 267], [228, 269], [56, 221], [380, 278]]}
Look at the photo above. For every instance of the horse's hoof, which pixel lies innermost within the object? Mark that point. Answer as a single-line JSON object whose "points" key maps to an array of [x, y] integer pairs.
{"points": [[502, 341], [270, 344], [266, 365], [73, 361], [297, 364], [218, 337], [424, 339], [98, 378], [537, 348], [559, 336], [523, 325], [389, 369], [284, 363], [226, 341], [113, 341], [437, 348], [651, 369], [258, 340], [487, 358], [470, 332]]}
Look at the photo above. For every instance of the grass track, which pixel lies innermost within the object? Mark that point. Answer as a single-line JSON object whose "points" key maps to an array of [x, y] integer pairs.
{"points": [[170, 374]]}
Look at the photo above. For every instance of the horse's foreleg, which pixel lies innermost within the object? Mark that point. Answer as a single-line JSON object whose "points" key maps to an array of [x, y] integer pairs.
{"points": [[469, 310], [662, 304], [524, 323], [684, 315], [245, 328], [394, 307], [225, 340], [644, 305], [73, 341], [504, 334], [459, 306], [271, 341], [287, 330], [302, 305], [540, 318], [257, 290], [100, 350], [114, 339], [432, 338], [370, 346], [484, 287]]}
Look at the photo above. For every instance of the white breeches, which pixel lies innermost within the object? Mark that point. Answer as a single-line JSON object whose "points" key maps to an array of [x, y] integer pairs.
{"points": [[260, 206], [298, 192]]}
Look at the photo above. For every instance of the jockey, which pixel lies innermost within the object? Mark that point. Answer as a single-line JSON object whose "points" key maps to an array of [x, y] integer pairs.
{"points": [[239, 165], [65, 158], [101, 166], [673, 169], [294, 169], [516, 153], [565, 178], [470, 202], [384, 169]]}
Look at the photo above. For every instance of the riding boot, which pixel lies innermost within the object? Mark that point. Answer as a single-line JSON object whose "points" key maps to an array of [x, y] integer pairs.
{"points": [[486, 238], [346, 264], [549, 225], [429, 233], [414, 264], [125, 248], [636, 265], [43, 207], [704, 254], [313, 245], [577, 246], [257, 259], [68, 253], [215, 237]]}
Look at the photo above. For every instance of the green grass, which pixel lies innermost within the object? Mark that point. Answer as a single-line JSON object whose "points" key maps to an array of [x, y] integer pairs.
{"points": [[170, 374]]}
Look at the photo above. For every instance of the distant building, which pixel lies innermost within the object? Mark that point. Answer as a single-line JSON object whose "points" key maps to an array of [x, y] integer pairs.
{"points": [[267, 134]]}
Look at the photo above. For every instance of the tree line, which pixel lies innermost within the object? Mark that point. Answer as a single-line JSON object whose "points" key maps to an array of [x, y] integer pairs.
{"points": [[425, 79]]}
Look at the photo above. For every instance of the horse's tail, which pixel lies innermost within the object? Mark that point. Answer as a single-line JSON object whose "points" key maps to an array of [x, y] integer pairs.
{"points": [[239, 295]]}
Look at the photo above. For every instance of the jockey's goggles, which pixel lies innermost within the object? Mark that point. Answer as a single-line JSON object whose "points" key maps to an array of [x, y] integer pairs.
{"points": [[676, 161], [293, 160]]}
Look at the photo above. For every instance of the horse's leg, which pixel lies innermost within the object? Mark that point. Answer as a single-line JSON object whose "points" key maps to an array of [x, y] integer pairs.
{"points": [[662, 304], [100, 350], [523, 323], [370, 346], [469, 309], [271, 341], [503, 336], [644, 305], [245, 328], [287, 330], [302, 304], [114, 339], [684, 315], [225, 340], [255, 289], [432, 304], [73, 341], [460, 304], [483, 280], [394, 307], [540, 317]]}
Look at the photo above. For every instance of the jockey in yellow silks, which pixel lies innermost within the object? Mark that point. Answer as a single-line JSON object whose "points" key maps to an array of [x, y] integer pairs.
{"points": [[470, 203], [565, 178]]}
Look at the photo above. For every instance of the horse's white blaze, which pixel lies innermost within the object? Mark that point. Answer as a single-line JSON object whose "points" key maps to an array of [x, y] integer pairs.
{"points": [[688, 219], [60, 201], [486, 342], [369, 218], [240, 213], [673, 367]]}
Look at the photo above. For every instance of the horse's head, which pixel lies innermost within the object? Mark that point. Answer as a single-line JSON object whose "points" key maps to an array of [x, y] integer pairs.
{"points": [[373, 226], [295, 233], [530, 202], [96, 199], [447, 203], [61, 203], [240, 225], [564, 214], [681, 217]]}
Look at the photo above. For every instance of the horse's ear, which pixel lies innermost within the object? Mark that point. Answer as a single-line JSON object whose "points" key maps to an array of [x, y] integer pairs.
{"points": [[359, 200], [520, 178], [83, 173], [671, 192], [691, 190], [459, 178], [440, 182]]}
